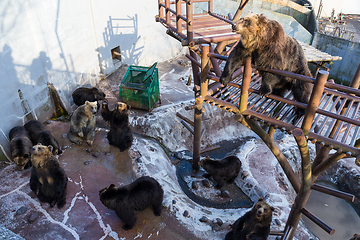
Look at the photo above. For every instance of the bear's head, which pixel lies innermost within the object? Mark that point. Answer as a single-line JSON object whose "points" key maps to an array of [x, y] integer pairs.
{"points": [[98, 94], [205, 161], [91, 107], [21, 160], [252, 29], [262, 212], [40, 154], [109, 194], [121, 111]]}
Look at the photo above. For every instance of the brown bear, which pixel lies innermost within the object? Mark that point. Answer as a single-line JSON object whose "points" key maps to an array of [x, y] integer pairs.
{"points": [[224, 170], [120, 134], [20, 147], [137, 196], [83, 94], [356, 237], [48, 179], [39, 134], [265, 41], [83, 124], [255, 224]]}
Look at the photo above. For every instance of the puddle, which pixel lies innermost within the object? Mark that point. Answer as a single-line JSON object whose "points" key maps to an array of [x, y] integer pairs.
{"points": [[336, 212]]}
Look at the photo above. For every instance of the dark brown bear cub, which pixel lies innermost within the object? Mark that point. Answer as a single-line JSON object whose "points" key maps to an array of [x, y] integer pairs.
{"points": [[39, 134], [82, 94], [255, 224], [20, 147], [265, 41], [225, 170], [48, 179], [137, 196], [120, 134]]}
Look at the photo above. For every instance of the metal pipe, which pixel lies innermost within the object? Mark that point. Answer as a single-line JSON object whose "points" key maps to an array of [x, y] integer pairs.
{"points": [[189, 23], [318, 221], [161, 12], [336, 193], [209, 149], [239, 10], [187, 126], [185, 119], [167, 12]]}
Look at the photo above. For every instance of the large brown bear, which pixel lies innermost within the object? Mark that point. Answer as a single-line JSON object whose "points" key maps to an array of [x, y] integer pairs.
{"points": [[83, 124], [48, 179], [137, 196], [20, 147], [39, 134], [120, 134], [224, 170], [265, 41], [255, 224]]}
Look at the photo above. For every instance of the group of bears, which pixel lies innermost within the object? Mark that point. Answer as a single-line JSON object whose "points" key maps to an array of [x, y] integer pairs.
{"points": [[262, 39]]}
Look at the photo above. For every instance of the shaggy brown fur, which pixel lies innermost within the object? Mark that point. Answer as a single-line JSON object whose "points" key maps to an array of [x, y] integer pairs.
{"points": [[265, 41], [20, 146], [83, 124], [255, 224], [48, 179]]}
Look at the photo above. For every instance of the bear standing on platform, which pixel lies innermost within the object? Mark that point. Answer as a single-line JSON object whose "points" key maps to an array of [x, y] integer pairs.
{"points": [[120, 134], [265, 41], [137, 196], [255, 224], [83, 124], [48, 179]]}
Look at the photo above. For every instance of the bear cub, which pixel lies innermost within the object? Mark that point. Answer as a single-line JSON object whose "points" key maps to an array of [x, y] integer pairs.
{"points": [[120, 134], [225, 170], [82, 124], [255, 224], [83, 94], [39, 134], [48, 179], [265, 41], [20, 147], [136, 196]]}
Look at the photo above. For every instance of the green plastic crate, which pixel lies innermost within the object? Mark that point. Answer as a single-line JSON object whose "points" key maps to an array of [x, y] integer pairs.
{"points": [[140, 87]]}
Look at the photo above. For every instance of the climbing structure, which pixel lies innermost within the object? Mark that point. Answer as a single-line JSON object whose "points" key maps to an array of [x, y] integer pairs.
{"points": [[331, 119]]}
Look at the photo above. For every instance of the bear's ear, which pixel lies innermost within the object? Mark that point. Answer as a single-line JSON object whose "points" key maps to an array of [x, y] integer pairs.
{"points": [[87, 102], [128, 107], [111, 186], [260, 199], [50, 147]]}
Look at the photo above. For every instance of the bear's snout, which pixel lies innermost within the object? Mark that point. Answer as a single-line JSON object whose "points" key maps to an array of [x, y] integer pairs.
{"points": [[259, 212]]}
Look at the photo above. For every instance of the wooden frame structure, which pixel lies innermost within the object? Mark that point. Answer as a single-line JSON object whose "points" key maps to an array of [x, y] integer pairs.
{"points": [[331, 119]]}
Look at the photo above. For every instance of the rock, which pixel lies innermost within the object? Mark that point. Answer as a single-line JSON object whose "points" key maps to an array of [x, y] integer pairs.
{"points": [[95, 154], [195, 185], [21, 210], [152, 149], [245, 174], [179, 155], [88, 150], [224, 194], [173, 202], [277, 221], [186, 213], [87, 162], [203, 219], [33, 216], [206, 183], [138, 160], [107, 153], [219, 222]]}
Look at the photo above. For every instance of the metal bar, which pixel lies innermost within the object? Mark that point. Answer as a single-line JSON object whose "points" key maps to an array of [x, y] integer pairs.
{"points": [[327, 163], [195, 67], [313, 104], [212, 39], [210, 6], [214, 63], [245, 85], [209, 149], [185, 119], [318, 221], [204, 82], [167, 12], [178, 17], [336, 193], [276, 233], [240, 9], [187, 126], [161, 11], [189, 23], [221, 18]]}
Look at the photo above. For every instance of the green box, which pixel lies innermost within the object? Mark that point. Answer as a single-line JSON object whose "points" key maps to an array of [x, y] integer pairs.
{"points": [[140, 87]]}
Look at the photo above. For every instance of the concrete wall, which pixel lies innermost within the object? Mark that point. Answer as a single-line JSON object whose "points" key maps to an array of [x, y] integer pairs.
{"points": [[348, 50], [68, 43]]}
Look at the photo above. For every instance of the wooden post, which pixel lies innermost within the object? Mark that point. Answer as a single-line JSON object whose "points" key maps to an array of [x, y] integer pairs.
{"points": [[245, 85], [178, 19], [189, 23]]}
